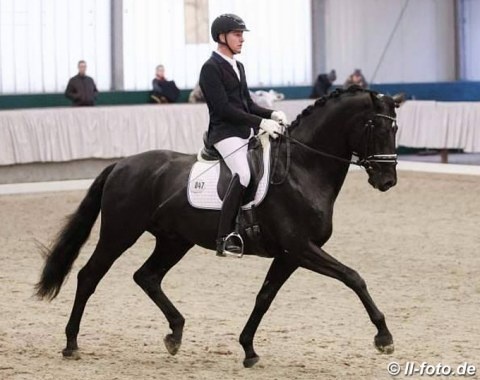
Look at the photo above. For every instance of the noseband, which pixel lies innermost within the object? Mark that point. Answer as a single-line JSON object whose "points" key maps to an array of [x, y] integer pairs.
{"points": [[376, 158]]}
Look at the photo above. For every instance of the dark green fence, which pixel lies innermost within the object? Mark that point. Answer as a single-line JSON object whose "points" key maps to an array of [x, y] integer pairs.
{"points": [[116, 98]]}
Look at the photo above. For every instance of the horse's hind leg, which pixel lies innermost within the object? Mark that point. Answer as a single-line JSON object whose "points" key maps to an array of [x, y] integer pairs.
{"points": [[167, 253], [105, 254], [321, 262]]}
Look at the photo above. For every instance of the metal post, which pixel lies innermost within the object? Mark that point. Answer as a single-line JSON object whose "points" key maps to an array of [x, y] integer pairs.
{"points": [[1, 86], [444, 156], [319, 60], [460, 65], [117, 44]]}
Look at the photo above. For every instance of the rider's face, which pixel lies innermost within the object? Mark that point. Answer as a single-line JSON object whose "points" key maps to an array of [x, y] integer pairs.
{"points": [[235, 40]]}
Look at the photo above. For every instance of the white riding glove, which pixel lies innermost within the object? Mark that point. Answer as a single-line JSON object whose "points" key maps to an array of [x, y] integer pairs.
{"points": [[271, 127], [280, 117]]}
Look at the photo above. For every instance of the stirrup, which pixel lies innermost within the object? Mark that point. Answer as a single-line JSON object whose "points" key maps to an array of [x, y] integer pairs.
{"points": [[222, 248]]}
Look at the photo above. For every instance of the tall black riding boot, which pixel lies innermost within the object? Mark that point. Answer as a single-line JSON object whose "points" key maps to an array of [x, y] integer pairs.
{"points": [[226, 241]]}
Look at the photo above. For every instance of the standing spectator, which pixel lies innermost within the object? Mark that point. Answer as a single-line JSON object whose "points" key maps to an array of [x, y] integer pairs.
{"points": [[164, 91], [356, 78], [323, 84], [81, 89]]}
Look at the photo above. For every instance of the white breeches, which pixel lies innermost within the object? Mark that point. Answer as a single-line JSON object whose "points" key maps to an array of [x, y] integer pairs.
{"points": [[237, 162]]}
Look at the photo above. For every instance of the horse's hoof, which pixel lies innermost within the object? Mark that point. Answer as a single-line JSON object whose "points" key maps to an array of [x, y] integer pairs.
{"points": [[384, 343], [387, 349], [250, 362], [71, 354], [172, 344]]}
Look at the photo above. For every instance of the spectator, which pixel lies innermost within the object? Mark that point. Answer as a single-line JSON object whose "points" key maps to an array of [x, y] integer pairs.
{"points": [[356, 78], [81, 89], [323, 84], [164, 91], [196, 95]]}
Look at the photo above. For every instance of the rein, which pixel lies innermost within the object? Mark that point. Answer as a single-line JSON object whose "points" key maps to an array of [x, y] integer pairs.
{"points": [[366, 162]]}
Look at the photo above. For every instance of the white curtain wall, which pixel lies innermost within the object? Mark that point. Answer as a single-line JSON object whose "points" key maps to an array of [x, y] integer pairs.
{"points": [[421, 50], [41, 42], [472, 39], [277, 50]]}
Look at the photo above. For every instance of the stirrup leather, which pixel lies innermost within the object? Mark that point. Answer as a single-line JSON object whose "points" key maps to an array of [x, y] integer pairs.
{"points": [[225, 252]]}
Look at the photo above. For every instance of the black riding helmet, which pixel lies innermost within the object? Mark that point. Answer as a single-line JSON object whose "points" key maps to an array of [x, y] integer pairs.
{"points": [[226, 23]]}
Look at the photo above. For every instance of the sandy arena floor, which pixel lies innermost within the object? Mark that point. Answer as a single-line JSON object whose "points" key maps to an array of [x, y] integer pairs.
{"points": [[417, 246]]}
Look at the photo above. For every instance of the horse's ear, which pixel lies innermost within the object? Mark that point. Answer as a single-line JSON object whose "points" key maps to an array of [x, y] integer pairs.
{"points": [[399, 99]]}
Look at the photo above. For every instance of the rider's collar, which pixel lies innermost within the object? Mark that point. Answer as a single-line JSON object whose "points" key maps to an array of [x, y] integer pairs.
{"points": [[232, 61]]}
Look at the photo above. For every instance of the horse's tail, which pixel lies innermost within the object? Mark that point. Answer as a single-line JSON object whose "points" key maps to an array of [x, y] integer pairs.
{"points": [[59, 259]]}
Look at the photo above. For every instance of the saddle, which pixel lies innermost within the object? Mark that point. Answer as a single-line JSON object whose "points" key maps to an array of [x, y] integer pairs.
{"points": [[255, 163], [209, 178]]}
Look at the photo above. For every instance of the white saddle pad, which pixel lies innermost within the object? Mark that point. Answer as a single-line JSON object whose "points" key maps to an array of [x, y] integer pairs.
{"points": [[203, 180]]}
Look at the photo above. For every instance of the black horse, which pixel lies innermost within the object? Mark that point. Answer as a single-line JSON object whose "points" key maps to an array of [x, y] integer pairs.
{"points": [[295, 217]]}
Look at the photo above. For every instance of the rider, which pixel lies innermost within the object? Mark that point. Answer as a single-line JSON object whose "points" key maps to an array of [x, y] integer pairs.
{"points": [[234, 118]]}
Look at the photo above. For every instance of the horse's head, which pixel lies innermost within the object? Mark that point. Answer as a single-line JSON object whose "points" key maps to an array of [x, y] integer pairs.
{"points": [[373, 140], [356, 121]]}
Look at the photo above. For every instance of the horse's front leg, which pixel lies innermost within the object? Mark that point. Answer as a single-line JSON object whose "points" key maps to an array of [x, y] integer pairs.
{"points": [[280, 270], [317, 260]]}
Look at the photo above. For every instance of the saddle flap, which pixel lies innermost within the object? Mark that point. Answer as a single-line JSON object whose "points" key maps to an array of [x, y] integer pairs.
{"points": [[256, 165]]}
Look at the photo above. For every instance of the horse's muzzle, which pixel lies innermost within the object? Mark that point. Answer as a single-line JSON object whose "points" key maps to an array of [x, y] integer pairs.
{"points": [[387, 185]]}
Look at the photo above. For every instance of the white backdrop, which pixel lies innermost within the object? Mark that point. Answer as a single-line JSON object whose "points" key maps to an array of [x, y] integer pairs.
{"points": [[422, 50], [277, 50], [74, 133], [472, 39], [41, 42]]}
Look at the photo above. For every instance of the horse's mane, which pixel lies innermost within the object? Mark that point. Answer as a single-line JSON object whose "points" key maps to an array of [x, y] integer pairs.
{"points": [[324, 99]]}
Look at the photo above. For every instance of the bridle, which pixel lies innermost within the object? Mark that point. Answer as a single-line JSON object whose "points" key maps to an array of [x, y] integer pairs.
{"points": [[376, 158], [365, 162]]}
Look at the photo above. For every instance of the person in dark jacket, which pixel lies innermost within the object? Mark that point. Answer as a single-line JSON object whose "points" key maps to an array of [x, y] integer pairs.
{"points": [[164, 91], [234, 118], [323, 84], [81, 89]]}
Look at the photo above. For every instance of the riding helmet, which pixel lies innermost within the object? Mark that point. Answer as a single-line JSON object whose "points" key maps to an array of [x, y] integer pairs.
{"points": [[226, 23]]}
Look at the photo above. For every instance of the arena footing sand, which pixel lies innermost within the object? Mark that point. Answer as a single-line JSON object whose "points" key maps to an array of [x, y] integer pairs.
{"points": [[417, 247]]}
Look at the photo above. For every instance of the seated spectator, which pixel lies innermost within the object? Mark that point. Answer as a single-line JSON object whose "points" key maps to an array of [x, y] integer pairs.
{"points": [[356, 78], [164, 91], [196, 95], [81, 89], [323, 84]]}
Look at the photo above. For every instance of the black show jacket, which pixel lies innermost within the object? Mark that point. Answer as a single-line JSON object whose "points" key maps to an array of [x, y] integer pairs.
{"points": [[232, 111], [81, 90]]}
